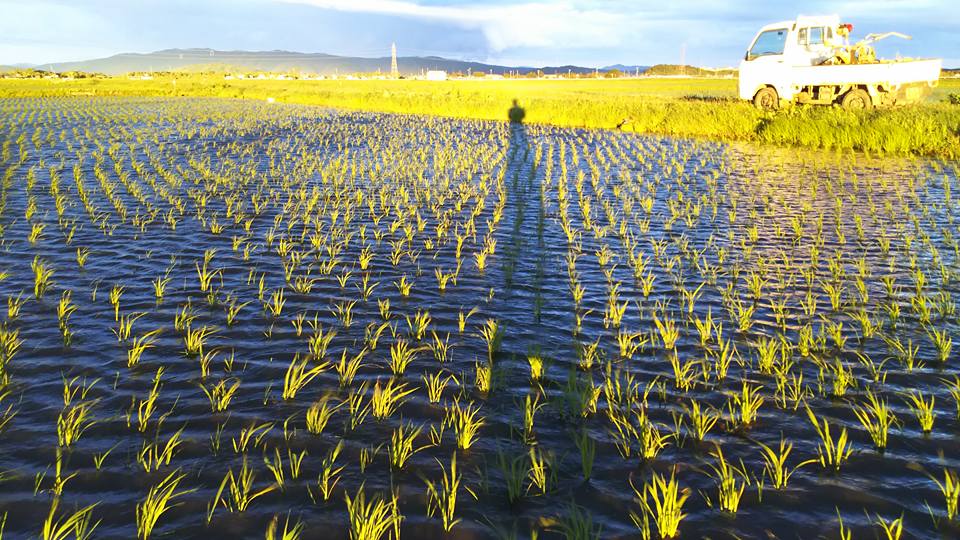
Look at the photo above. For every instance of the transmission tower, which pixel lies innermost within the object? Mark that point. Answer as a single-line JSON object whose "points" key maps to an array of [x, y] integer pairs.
{"points": [[394, 71]]}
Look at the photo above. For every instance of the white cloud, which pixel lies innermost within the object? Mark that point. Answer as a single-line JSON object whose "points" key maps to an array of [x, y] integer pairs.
{"points": [[531, 24]]}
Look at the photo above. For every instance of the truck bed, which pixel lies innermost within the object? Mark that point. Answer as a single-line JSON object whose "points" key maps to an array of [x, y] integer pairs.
{"points": [[888, 74]]}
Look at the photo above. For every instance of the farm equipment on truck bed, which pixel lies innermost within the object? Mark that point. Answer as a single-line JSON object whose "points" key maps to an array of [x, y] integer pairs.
{"points": [[810, 61]]}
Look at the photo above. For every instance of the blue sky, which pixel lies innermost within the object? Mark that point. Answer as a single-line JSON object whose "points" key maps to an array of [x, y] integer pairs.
{"points": [[512, 32]]}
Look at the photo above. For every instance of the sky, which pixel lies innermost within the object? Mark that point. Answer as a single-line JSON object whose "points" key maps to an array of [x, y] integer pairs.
{"points": [[536, 33]]}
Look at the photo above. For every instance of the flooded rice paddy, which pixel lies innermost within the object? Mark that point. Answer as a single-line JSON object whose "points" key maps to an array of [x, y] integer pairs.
{"points": [[231, 320]]}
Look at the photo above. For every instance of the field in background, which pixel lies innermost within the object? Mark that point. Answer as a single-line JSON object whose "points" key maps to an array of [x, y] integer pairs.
{"points": [[666, 106]]}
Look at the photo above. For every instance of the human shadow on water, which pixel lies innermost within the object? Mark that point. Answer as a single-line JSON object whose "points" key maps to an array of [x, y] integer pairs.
{"points": [[516, 113], [518, 133]]}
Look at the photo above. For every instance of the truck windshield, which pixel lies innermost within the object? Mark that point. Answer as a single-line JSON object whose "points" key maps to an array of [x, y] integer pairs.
{"points": [[768, 43]]}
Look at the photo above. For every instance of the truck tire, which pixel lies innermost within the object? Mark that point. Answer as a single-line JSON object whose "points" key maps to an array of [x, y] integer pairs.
{"points": [[766, 99], [856, 100]]}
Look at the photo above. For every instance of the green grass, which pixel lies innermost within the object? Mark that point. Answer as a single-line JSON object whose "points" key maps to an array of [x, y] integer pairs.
{"points": [[678, 107]]}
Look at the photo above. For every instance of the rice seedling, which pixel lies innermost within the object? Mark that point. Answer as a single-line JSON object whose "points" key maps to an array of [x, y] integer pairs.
{"points": [[483, 378], [153, 455], [745, 405], [576, 523], [588, 355], [373, 519], [347, 368], [82, 255], [157, 502], [440, 348], [319, 340], [42, 277], [492, 334], [651, 441], [943, 342], [401, 447], [702, 420], [892, 529], [462, 318], [73, 421], [661, 499], [372, 334], [160, 284], [383, 305], [442, 495], [950, 489], [403, 286], [587, 448], [402, 354], [116, 292], [435, 383], [288, 532], [233, 309], [236, 491], [537, 365], [542, 472], [195, 339], [319, 415], [221, 394], [684, 374], [729, 487], [514, 471], [466, 423], [343, 311], [831, 453], [253, 433], [275, 305], [876, 417], [204, 274], [298, 375], [419, 324], [388, 398], [329, 475], [79, 524], [952, 386], [668, 332], [140, 345], [775, 463], [14, 305], [923, 410]]}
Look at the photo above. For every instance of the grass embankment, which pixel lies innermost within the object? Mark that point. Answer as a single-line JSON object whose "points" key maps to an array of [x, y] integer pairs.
{"points": [[680, 107]]}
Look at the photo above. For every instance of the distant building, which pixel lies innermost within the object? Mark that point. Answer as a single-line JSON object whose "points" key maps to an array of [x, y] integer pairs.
{"points": [[436, 75]]}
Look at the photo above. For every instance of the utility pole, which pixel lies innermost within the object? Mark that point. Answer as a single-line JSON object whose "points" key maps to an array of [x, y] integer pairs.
{"points": [[394, 71], [683, 59]]}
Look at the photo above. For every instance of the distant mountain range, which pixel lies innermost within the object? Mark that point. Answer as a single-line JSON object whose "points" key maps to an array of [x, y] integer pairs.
{"points": [[286, 61]]}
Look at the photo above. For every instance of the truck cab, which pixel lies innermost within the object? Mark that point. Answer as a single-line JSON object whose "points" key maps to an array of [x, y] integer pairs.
{"points": [[806, 41]]}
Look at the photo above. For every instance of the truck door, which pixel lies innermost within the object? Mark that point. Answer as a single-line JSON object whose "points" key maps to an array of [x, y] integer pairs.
{"points": [[765, 64]]}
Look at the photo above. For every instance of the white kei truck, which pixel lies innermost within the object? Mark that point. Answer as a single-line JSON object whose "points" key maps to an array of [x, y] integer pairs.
{"points": [[809, 61]]}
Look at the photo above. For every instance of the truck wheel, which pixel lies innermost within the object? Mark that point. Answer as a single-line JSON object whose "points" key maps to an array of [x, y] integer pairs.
{"points": [[766, 99], [856, 100]]}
